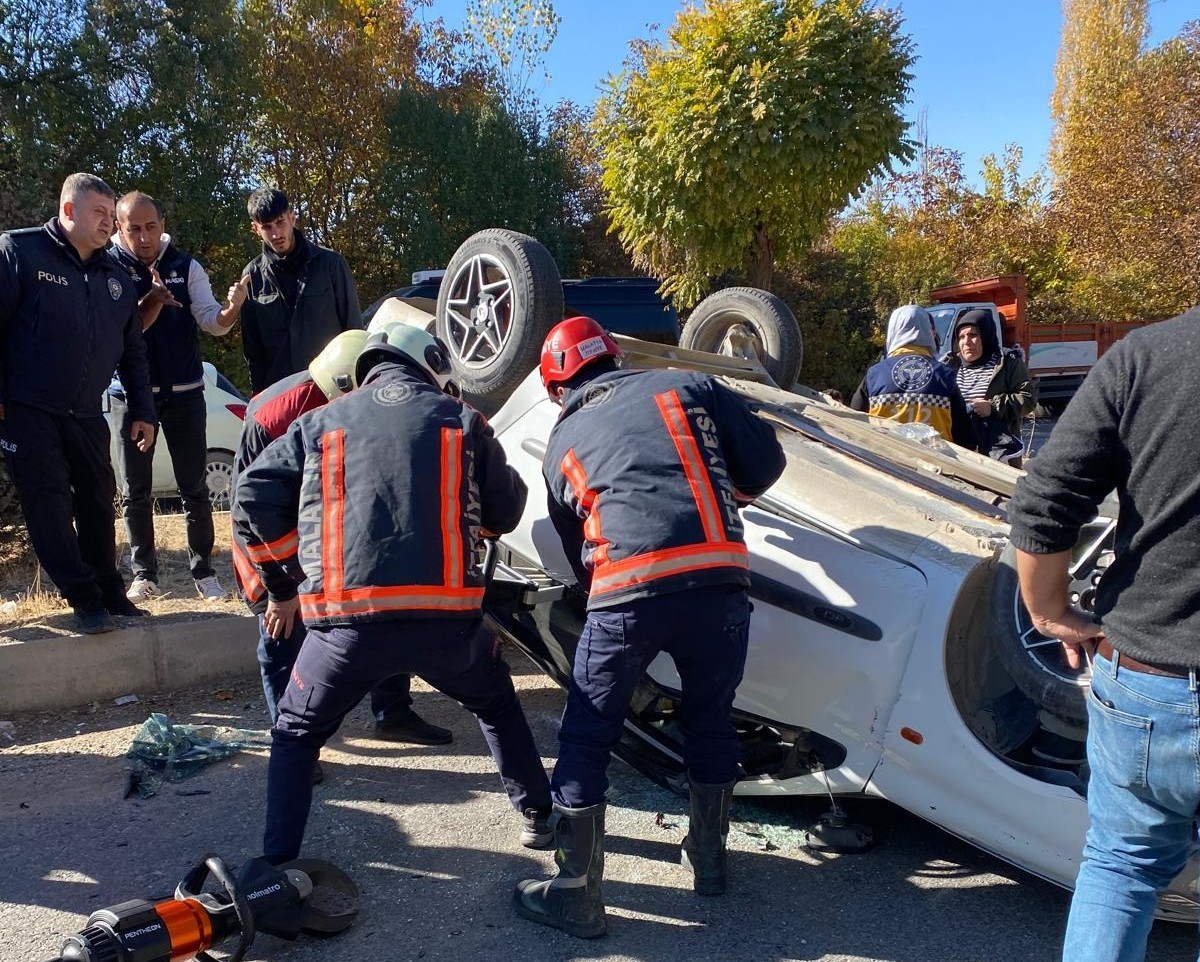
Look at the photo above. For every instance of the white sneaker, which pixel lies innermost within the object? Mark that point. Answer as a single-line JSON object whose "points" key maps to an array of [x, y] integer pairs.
{"points": [[142, 589], [210, 588]]}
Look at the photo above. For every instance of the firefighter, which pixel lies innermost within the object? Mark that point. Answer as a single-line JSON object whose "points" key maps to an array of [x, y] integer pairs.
{"points": [[646, 471], [385, 493], [267, 417]]}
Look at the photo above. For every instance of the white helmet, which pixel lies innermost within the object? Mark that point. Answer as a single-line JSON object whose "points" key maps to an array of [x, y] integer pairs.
{"points": [[333, 369], [410, 345]]}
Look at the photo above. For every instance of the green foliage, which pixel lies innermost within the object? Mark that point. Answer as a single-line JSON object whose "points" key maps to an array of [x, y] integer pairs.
{"points": [[730, 145]]}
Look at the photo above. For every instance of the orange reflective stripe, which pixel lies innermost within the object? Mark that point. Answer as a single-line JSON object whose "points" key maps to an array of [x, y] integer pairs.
{"points": [[364, 601], [276, 550], [693, 465], [576, 476], [452, 543], [248, 580], [333, 492], [673, 561]]}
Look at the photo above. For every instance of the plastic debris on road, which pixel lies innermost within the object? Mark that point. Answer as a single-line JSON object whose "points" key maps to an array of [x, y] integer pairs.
{"points": [[161, 751]]}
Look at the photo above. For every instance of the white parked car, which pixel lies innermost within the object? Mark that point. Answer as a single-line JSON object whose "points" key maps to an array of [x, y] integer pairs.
{"points": [[226, 408]]}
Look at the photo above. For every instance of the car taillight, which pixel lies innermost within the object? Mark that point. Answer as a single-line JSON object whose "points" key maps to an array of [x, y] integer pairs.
{"points": [[237, 409]]}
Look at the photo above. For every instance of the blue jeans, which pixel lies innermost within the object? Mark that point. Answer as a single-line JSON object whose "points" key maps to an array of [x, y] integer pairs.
{"points": [[705, 632], [391, 699], [1143, 796]]}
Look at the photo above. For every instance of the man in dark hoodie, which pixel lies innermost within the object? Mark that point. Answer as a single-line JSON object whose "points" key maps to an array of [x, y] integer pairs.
{"points": [[68, 317], [994, 383], [301, 295], [176, 300]]}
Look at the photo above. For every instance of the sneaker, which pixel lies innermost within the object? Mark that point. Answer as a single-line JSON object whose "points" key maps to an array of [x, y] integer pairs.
{"points": [[536, 830], [93, 619], [120, 605], [142, 589], [210, 588], [413, 729]]}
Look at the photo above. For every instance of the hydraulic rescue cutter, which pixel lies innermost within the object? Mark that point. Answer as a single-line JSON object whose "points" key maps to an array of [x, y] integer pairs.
{"points": [[307, 895]]}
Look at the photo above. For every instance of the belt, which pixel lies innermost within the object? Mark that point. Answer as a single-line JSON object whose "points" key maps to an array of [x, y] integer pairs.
{"points": [[1121, 660]]}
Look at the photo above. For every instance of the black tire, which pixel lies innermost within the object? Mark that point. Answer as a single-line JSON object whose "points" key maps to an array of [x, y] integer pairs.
{"points": [[218, 478], [1036, 664], [765, 316], [501, 295]]}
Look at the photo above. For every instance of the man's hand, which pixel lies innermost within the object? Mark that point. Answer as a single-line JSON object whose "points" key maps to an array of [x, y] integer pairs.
{"points": [[281, 617], [159, 293], [982, 408], [239, 291], [1077, 632], [143, 433]]}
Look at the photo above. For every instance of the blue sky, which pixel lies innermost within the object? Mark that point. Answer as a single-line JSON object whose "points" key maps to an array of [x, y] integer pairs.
{"points": [[984, 77]]}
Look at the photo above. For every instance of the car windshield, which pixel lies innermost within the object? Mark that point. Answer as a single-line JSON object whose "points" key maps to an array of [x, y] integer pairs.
{"points": [[943, 320]]}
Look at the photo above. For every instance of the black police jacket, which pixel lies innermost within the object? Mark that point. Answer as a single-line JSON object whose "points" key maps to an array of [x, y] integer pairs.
{"points": [[65, 325]]}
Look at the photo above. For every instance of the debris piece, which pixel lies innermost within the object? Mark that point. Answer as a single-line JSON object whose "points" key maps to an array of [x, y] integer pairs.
{"points": [[194, 791], [834, 832], [24, 805], [8, 608], [224, 694], [662, 821], [161, 750], [126, 700]]}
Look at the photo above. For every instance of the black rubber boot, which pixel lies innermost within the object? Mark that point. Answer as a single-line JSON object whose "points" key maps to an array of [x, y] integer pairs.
{"points": [[704, 845], [572, 900]]}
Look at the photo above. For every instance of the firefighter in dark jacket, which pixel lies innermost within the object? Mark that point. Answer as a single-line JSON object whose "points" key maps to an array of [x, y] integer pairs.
{"points": [[385, 494], [68, 317], [301, 295], [176, 300], [646, 471], [268, 416]]}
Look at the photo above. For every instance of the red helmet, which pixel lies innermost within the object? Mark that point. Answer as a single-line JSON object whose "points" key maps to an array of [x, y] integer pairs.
{"points": [[570, 346]]}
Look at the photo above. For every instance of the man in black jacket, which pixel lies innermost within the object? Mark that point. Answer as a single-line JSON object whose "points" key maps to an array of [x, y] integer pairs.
{"points": [[68, 317], [301, 296], [176, 300], [1130, 429]]}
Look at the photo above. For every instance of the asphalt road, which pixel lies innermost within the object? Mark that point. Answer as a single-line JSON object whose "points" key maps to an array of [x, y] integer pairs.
{"points": [[432, 845]]}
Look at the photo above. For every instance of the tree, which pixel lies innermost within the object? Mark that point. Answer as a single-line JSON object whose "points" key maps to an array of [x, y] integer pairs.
{"points": [[1126, 161], [729, 146]]}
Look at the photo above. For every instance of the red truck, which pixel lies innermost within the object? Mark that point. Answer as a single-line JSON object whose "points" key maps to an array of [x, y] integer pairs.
{"points": [[1058, 355]]}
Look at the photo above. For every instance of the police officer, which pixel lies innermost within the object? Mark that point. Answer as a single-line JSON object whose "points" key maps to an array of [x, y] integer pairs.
{"points": [[386, 493], [176, 298], [268, 417], [645, 471], [68, 317]]}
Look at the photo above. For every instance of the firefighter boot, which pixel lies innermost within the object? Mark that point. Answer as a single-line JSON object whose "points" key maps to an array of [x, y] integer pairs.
{"points": [[572, 900], [704, 845]]}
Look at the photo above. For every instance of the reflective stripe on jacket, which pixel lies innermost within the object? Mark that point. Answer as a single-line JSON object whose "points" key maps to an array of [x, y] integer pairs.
{"points": [[644, 471], [385, 491], [268, 416]]}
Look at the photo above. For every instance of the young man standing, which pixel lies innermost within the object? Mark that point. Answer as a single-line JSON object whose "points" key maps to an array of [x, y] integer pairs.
{"points": [[68, 318], [301, 296], [175, 299]]}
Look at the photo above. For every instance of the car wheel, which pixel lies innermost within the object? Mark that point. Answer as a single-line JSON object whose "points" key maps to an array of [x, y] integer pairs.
{"points": [[739, 321], [501, 294], [1036, 663], [218, 479]]}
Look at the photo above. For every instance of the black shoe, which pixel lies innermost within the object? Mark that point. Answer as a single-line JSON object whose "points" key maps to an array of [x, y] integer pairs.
{"points": [[93, 619], [120, 605], [412, 728], [536, 830], [572, 900]]}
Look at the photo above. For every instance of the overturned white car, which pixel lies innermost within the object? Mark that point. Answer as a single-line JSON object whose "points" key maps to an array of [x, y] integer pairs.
{"points": [[890, 654]]}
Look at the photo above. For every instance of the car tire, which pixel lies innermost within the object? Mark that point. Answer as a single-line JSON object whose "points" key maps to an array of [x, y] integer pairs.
{"points": [[218, 479], [766, 318], [1036, 664], [501, 295]]}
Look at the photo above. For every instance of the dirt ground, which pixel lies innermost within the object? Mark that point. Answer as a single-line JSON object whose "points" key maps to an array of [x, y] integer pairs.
{"points": [[31, 608]]}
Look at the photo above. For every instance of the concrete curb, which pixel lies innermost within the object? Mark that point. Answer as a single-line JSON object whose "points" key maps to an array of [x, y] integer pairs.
{"points": [[76, 669]]}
